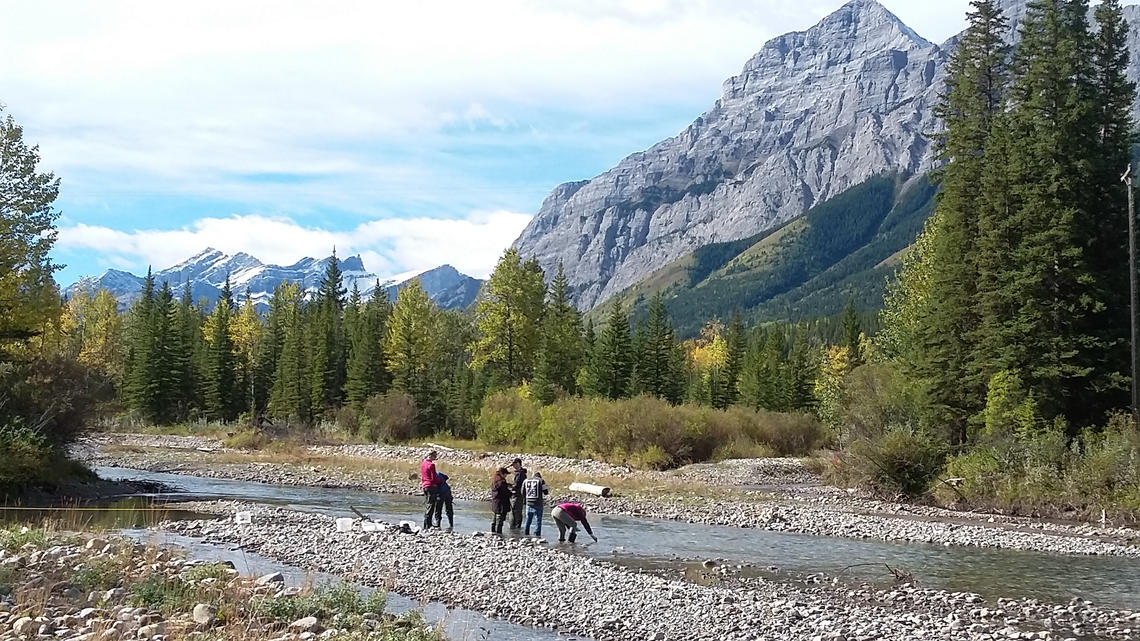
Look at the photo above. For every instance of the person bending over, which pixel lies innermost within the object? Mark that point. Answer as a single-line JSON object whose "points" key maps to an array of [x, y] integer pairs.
{"points": [[567, 516], [444, 503]]}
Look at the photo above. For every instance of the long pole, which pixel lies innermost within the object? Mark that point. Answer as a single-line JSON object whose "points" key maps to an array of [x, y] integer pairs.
{"points": [[1132, 286]]}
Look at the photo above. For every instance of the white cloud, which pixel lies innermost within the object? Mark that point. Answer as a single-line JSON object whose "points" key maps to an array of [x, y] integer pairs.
{"points": [[388, 247]]}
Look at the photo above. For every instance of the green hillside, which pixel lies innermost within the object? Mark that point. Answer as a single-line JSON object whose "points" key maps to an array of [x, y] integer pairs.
{"points": [[843, 248]]}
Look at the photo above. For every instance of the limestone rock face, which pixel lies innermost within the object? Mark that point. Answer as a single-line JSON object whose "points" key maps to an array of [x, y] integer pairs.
{"points": [[811, 115]]}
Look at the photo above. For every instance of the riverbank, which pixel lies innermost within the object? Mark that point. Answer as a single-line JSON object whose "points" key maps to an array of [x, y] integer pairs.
{"points": [[528, 582], [98, 588], [697, 494]]}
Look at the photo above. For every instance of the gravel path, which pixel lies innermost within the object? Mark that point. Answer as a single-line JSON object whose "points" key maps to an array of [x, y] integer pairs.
{"points": [[525, 581], [834, 517]]}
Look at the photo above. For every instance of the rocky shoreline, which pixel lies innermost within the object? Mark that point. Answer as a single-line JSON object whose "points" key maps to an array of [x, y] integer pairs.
{"points": [[835, 517], [527, 582]]}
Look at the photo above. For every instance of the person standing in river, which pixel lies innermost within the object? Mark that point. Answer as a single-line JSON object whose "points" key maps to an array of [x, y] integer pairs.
{"points": [[517, 490], [567, 516], [444, 503], [534, 491], [500, 500], [429, 480]]}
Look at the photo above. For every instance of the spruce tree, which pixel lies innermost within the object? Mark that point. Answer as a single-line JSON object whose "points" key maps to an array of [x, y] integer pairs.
{"points": [[367, 372], [327, 355], [289, 399], [411, 344], [737, 340], [612, 362], [222, 395], [141, 376], [657, 362], [562, 350], [948, 327]]}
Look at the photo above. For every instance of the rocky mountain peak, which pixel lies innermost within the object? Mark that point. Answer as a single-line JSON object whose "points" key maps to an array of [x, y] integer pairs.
{"points": [[809, 116]]}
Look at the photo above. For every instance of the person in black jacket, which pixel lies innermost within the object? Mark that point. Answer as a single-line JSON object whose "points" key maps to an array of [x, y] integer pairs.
{"points": [[500, 500], [517, 490]]}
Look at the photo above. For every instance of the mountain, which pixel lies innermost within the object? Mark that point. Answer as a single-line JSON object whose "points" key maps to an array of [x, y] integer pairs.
{"points": [[206, 273], [840, 250], [810, 116]]}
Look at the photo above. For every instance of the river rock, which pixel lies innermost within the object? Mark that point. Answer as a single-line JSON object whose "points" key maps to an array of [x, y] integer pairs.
{"points": [[275, 577], [25, 626], [307, 624], [204, 614]]}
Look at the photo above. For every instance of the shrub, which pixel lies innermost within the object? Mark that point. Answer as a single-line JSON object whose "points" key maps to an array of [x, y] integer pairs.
{"points": [[167, 595], [17, 536], [348, 420], [98, 574], [897, 463], [508, 417], [647, 430], [247, 440], [389, 418]]}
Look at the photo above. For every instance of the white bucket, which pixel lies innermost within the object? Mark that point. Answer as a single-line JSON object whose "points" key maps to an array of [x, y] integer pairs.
{"points": [[369, 526], [344, 525], [243, 518]]}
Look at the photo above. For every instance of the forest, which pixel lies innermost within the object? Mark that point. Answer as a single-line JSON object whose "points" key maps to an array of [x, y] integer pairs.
{"points": [[996, 376]]}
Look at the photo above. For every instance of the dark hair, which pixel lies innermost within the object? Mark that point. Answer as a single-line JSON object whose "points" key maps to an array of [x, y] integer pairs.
{"points": [[500, 473], [517, 462]]}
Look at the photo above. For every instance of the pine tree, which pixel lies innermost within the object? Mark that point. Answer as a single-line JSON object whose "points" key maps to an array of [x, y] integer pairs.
{"points": [[948, 326], [411, 344], [188, 324], [247, 332], [289, 398], [220, 382], [657, 363], [327, 356], [1042, 296], [508, 314], [563, 350], [612, 361], [737, 344], [141, 381], [367, 371], [852, 334]]}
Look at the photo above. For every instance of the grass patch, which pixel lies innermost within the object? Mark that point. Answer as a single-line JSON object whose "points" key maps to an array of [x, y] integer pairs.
{"points": [[7, 580], [16, 536], [341, 606], [216, 571], [99, 574], [166, 595]]}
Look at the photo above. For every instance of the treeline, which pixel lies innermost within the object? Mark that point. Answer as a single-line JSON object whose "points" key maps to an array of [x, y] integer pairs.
{"points": [[323, 357], [1006, 336]]}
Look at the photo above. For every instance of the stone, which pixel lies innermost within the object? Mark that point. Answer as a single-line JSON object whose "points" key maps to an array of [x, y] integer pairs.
{"points": [[25, 626], [152, 630], [308, 624], [204, 613], [275, 577]]}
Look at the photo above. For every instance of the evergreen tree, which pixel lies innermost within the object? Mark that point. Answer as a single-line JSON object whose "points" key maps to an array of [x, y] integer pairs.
{"points": [[1041, 297], [657, 362], [508, 314], [563, 349], [327, 356], [411, 344], [852, 334], [367, 371], [947, 328], [141, 377], [612, 360], [222, 396], [737, 344], [289, 398]]}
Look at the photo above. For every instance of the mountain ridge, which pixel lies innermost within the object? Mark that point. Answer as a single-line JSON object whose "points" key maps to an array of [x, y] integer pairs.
{"points": [[206, 271]]}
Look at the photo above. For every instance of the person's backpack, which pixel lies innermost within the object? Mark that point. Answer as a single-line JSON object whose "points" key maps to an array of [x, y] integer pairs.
{"points": [[533, 489]]}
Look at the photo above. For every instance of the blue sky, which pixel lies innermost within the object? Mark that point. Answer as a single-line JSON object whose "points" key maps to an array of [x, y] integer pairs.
{"points": [[413, 135]]}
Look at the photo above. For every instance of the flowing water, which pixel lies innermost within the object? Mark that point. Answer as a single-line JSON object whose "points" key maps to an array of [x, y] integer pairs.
{"points": [[670, 545]]}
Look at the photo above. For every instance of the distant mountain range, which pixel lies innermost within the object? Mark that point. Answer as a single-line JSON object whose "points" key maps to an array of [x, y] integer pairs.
{"points": [[206, 273]]}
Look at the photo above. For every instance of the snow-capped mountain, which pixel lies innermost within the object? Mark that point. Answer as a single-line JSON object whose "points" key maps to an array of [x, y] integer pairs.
{"points": [[206, 273]]}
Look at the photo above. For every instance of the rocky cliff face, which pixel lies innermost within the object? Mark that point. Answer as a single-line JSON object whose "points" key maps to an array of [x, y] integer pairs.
{"points": [[811, 115]]}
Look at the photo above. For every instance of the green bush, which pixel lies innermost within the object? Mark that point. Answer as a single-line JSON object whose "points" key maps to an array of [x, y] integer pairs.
{"points": [[644, 430], [897, 463], [15, 537], [247, 440], [98, 574], [166, 595], [389, 418]]}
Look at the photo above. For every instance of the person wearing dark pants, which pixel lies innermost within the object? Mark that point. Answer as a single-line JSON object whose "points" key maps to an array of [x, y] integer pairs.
{"points": [[534, 491], [567, 516], [500, 500], [517, 490], [429, 480], [444, 504]]}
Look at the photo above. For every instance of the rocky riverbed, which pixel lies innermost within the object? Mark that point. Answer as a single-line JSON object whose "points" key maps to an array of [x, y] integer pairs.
{"points": [[529, 582], [705, 503], [94, 588]]}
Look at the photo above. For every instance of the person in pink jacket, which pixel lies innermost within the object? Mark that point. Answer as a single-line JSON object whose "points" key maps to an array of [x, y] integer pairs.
{"points": [[567, 516], [429, 480]]}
